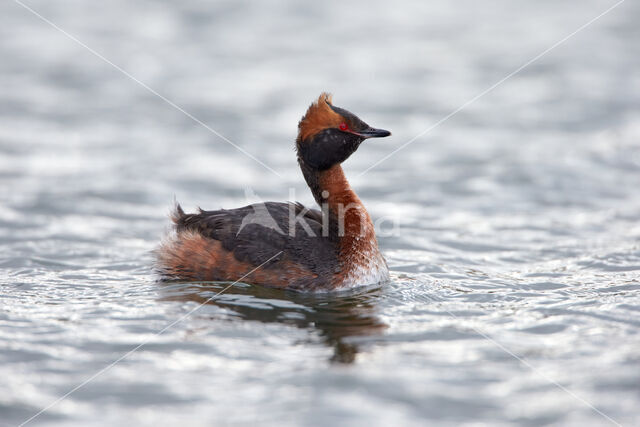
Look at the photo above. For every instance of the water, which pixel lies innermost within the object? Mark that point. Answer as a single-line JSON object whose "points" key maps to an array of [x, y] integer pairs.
{"points": [[511, 229]]}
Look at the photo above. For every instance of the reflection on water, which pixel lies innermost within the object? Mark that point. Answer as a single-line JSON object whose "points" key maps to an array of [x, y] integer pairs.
{"points": [[336, 318]]}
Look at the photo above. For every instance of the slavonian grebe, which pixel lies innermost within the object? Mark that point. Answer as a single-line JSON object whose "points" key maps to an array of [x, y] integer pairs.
{"points": [[294, 247]]}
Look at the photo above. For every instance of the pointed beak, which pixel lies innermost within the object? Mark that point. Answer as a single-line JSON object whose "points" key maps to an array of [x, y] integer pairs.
{"points": [[374, 133]]}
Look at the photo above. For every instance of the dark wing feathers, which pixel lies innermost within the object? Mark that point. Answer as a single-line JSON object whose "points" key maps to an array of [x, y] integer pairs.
{"points": [[255, 233]]}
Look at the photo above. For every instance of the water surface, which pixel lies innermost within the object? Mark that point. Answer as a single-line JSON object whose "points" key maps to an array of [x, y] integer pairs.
{"points": [[511, 229]]}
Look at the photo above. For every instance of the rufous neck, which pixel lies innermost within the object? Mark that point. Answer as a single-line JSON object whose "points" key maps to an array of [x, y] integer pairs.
{"points": [[347, 217]]}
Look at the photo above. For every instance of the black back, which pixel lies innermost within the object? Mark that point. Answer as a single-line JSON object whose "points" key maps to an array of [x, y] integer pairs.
{"points": [[255, 233]]}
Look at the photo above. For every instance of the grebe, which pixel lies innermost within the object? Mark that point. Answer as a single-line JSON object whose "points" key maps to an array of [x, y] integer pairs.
{"points": [[286, 245]]}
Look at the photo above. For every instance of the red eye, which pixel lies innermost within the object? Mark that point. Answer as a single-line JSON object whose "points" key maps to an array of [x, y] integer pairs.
{"points": [[343, 126]]}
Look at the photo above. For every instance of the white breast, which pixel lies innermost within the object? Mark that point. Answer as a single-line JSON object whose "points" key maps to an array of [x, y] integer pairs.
{"points": [[366, 268]]}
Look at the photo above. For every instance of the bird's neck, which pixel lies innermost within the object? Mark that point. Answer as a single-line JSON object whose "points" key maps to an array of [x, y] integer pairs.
{"points": [[344, 214]]}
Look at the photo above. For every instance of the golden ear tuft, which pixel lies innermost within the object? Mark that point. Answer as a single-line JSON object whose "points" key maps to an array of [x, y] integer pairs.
{"points": [[326, 97], [318, 117]]}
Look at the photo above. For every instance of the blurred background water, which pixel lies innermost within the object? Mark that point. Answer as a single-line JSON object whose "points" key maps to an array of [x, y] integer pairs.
{"points": [[512, 229]]}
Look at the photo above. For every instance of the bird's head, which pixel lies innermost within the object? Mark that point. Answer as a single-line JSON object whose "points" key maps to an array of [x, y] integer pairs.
{"points": [[328, 135]]}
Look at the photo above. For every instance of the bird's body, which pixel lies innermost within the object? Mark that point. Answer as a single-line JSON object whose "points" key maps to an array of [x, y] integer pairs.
{"points": [[286, 245]]}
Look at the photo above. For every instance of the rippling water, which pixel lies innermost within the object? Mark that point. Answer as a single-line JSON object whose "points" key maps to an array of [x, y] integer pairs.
{"points": [[512, 228]]}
